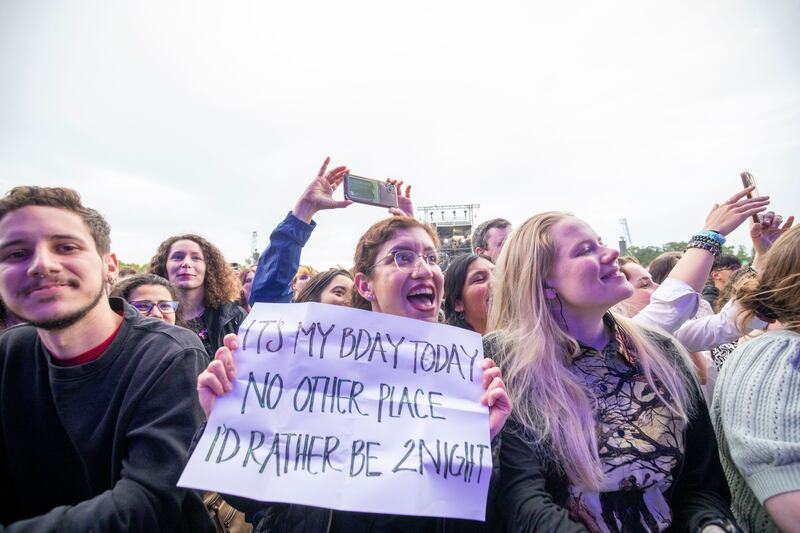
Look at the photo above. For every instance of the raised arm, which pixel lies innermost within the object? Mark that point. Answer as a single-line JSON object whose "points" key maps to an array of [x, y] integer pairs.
{"points": [[695, 265], [676, 300], [279, 261]]}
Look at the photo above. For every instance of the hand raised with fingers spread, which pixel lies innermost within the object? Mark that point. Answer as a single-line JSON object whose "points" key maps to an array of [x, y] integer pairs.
{"points": [[405, 207], [495, 396], [765, 232], [727, 217], [218, 377], [319, 193]]}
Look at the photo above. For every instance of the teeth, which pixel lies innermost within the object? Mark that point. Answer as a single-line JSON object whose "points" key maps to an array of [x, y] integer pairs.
{"points": [[423, 291]]}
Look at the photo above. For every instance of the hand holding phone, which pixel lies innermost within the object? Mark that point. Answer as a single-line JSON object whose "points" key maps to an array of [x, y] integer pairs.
{"points": [[749, 181], [318, 194]]}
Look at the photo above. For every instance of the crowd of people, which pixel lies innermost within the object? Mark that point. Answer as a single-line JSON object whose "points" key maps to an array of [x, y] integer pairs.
{"points": [[621, 396]]}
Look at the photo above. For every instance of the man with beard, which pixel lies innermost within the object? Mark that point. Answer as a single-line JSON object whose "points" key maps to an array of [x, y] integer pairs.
{"points": [[97, 403]]}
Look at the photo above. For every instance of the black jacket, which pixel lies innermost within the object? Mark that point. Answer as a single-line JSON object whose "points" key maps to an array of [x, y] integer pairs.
{"points": [[100, 446], [533, 490], [226, 319]]}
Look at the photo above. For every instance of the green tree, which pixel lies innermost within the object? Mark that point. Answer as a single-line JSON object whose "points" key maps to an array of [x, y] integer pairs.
{"points": [[137, 267], [645, 254]]}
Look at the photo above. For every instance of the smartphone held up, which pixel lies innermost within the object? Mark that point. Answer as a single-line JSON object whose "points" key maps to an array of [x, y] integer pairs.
{"points": [[369, 191], [749, 181]]}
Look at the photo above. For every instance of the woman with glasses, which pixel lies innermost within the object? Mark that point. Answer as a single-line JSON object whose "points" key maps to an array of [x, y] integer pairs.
{"points": [[276, 277], [151, 295], [206, 284], [397, 270]]}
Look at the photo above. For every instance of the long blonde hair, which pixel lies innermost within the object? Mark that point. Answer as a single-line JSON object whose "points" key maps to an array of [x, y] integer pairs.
{"points": [[535, 353]]}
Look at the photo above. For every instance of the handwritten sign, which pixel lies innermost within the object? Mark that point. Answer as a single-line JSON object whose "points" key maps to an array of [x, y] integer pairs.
{"points": [[350, 410]]}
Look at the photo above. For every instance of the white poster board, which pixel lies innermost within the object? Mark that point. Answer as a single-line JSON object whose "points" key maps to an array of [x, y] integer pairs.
{"points": [[351, 410]]}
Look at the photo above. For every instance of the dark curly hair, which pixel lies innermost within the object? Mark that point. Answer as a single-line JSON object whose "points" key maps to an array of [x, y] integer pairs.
{"points": [[220, 285], [124, 287], [371, 241], [775, 294]]}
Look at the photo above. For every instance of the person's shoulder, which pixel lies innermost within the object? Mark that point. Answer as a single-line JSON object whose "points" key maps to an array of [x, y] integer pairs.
{"points": [[161, 338], [230, 311], [17, 338], [772, 345]]}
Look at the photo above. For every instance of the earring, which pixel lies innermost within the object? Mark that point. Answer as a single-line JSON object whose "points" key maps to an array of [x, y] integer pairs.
{"points": [[549, 292]]}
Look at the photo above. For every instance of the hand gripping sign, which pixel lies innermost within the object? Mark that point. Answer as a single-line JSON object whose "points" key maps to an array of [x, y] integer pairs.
{"points": [[350, 410]]}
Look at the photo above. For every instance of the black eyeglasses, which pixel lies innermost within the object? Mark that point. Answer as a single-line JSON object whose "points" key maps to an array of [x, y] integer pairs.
{"points": [[407, 260], [165, 306]]}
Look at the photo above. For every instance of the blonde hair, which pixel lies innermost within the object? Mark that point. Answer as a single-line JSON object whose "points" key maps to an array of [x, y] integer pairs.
{"points": [[775, 294], [535, 353]]}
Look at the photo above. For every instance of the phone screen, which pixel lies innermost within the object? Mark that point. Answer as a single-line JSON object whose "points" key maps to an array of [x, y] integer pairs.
{"points": [[365, 189]]}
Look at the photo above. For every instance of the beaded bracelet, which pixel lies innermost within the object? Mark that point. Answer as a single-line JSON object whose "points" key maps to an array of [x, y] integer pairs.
{"points": [[706, 239], [717, 236], [714, 248]]}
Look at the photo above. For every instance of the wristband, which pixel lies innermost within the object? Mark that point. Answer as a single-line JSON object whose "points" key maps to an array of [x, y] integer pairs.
{"points": [[711, 247], [712, 234]]}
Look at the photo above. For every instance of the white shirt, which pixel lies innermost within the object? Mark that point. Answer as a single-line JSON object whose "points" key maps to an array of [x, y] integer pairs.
{"points": [[674, 302]]}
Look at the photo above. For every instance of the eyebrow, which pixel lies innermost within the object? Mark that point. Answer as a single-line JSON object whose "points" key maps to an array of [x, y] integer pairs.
{"points": [[410, 245], [57, 237], [338, 287]]}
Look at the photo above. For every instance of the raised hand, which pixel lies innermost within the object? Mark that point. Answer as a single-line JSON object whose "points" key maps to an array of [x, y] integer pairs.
{"points": [[319, 193], [218, 377], [405, 207], [727, 217], [766, 231], [495, 396]]}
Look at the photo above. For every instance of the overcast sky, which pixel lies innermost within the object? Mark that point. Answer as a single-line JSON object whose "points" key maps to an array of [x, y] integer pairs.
{"points": [[211, 117]]}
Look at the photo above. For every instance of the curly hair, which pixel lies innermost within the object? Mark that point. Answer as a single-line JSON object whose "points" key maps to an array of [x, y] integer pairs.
{"points": [[369, 243], [220, 285], [775, 294], [60, 198]]}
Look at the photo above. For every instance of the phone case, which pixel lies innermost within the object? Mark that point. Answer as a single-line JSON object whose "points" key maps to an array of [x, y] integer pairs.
{"points": [[369, 191]]}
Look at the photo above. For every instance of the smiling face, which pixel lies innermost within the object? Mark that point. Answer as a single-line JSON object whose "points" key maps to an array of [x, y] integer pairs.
{"points": [[474, 301], [337, 291], [414, 294], [186, 266], [247, 285], [153, 294], [643, 287], [585, 275], [51, 273]]}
